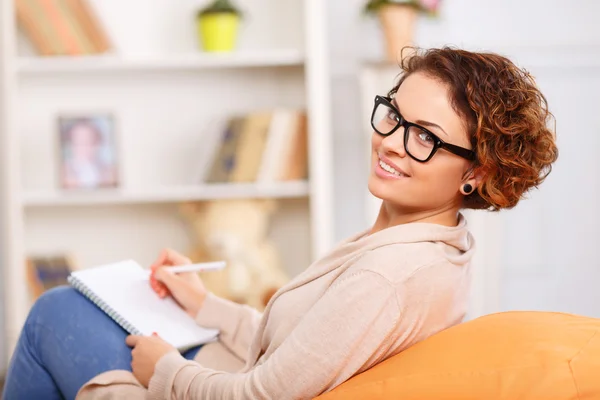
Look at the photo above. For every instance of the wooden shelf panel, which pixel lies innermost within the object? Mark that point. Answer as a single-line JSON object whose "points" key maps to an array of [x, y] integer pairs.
{"points": [[292, 189], [114, 63]]}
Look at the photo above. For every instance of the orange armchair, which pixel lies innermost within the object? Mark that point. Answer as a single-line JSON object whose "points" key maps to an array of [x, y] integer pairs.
{"points": [[512, 355]]}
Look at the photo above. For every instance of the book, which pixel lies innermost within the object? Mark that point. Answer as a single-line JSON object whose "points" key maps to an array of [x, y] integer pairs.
{"points": [[91, 25], [122, 290], [286, 152], [278, 135], [250, 150], [73, 25], [26, 17], [296, 159], [62, 27], [52, 13], [224, 160]]}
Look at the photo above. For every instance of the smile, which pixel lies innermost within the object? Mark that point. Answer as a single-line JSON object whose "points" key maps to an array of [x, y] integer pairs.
{"points": [[390, 169]]}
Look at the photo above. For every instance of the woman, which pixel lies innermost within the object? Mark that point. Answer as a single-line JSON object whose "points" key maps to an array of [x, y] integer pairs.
{"points": [[459, 130]]}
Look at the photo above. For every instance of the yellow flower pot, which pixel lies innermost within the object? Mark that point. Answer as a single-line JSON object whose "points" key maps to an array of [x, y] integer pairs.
{"points": [[217, 32]]}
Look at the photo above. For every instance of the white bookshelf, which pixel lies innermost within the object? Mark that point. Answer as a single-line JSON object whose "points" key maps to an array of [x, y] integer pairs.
{"points": [[167, 99], [172, 194], [194, 61]]}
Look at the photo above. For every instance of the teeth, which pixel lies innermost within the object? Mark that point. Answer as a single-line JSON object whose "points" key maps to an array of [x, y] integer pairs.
{"points": [[389, 169]]}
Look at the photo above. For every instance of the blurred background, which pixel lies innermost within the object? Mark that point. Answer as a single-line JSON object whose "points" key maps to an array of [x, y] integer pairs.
{"points": [[238, 130]]}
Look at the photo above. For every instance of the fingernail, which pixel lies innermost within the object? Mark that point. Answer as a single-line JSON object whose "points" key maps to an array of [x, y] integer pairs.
{"points": [[154, 334]]}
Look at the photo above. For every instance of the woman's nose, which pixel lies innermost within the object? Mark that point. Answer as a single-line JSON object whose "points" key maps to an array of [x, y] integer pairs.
{"points": [[394, 143]]}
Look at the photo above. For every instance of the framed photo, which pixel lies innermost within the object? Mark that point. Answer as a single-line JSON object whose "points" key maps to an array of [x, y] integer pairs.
{"points": [[88, 152]]}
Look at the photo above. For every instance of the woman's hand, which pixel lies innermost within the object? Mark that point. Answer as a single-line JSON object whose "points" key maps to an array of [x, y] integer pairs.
{"points": [[186, 288], [147, 350]]}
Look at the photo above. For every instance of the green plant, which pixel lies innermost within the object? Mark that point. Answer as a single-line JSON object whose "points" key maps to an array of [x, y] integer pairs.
{"points": [[425, 6], [220, 6]]}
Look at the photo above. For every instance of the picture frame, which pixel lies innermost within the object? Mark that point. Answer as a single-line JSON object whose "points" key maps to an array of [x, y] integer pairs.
{"points": [[88, 152], [47, 271]]}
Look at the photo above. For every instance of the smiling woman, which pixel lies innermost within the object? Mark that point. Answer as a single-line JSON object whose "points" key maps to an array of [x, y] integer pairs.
{"points": [[459, 130]]}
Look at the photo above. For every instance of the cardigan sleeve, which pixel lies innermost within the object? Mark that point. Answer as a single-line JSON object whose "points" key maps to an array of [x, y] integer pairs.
{"points": [[237, 323], [345, 332]]}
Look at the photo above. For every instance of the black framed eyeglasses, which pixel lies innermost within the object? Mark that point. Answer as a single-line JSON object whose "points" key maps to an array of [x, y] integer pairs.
{"points": [[419, 143]]}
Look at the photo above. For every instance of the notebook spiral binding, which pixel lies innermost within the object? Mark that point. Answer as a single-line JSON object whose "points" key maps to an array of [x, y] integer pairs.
{"points": [[81, 287]]}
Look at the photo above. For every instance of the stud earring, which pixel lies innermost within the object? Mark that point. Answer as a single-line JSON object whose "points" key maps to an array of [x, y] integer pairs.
{"points": [[467, 188]]}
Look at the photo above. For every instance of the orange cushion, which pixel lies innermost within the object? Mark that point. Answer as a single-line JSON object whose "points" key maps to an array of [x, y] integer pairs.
{"points": [[510, 355]]}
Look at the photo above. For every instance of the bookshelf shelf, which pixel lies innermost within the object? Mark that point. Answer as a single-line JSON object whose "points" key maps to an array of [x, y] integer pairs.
{"points": [[114, 63], [280, 190]]}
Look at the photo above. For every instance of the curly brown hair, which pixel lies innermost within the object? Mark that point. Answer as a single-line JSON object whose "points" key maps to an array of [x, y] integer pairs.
{"points": [[506, 117]]}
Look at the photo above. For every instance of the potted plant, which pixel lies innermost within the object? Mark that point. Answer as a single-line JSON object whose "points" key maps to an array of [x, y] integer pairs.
{"points": [[218, 26], [397, 19]]}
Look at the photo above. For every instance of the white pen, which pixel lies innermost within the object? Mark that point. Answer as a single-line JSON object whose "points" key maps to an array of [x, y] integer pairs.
{"points": [[199, 267]]}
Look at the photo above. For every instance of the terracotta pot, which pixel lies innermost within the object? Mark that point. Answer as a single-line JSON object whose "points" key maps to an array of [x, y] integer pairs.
{"points": [[397, 22]]}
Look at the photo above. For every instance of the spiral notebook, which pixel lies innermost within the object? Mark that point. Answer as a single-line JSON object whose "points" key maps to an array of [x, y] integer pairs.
{"points": [[122, 291]]}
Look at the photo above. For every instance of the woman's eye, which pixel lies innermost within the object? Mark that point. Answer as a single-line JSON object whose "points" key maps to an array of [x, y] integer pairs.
{"points": [[425, 137], [392, 116]]}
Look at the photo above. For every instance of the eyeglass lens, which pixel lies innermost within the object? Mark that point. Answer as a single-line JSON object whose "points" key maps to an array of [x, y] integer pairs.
{"points": [[418, 143]]}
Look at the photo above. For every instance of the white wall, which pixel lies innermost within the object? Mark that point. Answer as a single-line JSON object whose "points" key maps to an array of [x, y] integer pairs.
{"points": [[546, 248]]}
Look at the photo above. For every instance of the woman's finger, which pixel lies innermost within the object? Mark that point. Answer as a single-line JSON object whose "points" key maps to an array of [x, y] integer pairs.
{"points": [[132, 340], [171, 257]]}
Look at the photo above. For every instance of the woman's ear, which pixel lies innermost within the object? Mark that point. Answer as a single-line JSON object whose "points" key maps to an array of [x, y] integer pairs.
{"points": [[471, 181]]}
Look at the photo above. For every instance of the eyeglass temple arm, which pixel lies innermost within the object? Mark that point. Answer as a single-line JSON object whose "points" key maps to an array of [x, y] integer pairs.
{"points": [[460, 151]]}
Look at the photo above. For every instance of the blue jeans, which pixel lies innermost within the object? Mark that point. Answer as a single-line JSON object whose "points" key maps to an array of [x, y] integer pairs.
{"points": [[66, 341]]}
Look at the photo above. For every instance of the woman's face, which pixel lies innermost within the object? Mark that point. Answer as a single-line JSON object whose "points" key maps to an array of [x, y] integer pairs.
{"points": [[420, 187], [84, 142]]}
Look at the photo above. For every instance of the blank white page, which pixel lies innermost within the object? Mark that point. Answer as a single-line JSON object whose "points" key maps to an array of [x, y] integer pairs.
{"points": [[125, 290]]}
